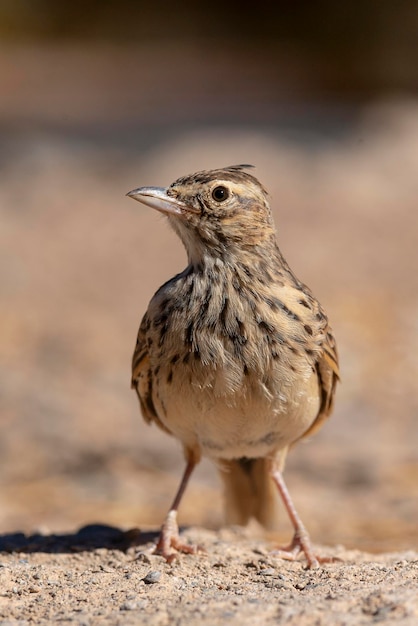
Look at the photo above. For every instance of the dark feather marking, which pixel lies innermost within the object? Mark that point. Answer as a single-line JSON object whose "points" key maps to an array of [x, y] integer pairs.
{"points": [[279, 338], [324, 396], [222, 238], [247, 271], [201, 320], [264, 276], [189, 334], [189, 291], [266, 326], [164, 304], [149, 404], [200, 203], [163, 331], [241, 329], [239, 341], [253, 293], [161, 323], [213, 276], [271, 303], [250, 301], [236, 285], [138, 358], [224, 311], [286, 310]]}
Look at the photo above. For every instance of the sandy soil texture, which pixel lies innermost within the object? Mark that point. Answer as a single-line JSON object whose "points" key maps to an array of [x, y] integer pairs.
{"points": [[236, 581]]}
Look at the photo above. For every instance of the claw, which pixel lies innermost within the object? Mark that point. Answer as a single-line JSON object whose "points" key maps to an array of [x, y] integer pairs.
{"points": [[169, 543], [294, 549], [301, 544]]}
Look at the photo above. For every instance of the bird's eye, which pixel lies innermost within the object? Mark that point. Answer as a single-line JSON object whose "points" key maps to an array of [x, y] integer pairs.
{"points": [[220, 194]]}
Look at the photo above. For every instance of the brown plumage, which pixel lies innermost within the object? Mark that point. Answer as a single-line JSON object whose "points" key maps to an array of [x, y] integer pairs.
{"points": [[234, 356]]}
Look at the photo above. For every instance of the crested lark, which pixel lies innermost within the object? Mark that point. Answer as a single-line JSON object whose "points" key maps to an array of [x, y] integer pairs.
{"points": [[234, 356]]}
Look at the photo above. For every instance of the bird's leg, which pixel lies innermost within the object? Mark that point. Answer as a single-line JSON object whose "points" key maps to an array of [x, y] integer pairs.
{"points": [[169, 540], [301, 541]]}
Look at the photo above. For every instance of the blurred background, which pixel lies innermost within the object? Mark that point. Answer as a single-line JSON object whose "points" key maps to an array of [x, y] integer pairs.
{"points": [[98, 98]]}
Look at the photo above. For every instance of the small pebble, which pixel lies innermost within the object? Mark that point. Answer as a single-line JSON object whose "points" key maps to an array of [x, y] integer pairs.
{"points": [[152, 577], [269, 571], [131, 596], [143, 558]]}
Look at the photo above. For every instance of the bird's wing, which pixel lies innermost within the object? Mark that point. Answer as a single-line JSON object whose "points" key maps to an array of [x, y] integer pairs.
{"points": [[142, 375], [328, 375], [307, 324]]}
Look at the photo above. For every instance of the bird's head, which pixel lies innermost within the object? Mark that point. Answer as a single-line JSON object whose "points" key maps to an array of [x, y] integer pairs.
{"points": [[214, 211]]}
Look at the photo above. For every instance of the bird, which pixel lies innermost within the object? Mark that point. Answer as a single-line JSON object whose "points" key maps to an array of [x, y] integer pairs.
{"points": [[234, 356]]}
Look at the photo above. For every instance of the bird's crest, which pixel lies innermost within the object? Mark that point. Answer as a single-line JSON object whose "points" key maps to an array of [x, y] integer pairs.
{"points": [[238, 168]]}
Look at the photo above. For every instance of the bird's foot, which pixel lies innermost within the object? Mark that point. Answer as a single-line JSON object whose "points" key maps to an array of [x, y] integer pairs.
{"points": [[301, 543], [169, 543]]}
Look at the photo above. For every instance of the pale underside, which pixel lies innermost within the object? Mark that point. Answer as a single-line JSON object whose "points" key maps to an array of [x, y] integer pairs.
{"points": [[251, 422]]}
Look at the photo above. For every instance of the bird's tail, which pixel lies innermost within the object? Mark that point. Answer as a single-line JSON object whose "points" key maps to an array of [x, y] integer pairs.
{"points": [[249, 492]]}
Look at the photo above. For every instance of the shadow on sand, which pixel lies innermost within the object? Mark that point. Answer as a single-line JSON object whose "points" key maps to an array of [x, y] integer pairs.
{"points": [[86, 539]]}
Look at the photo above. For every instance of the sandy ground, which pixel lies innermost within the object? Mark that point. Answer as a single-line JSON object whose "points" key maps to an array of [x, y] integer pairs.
{"points": [[78, 264], [237, 581]]}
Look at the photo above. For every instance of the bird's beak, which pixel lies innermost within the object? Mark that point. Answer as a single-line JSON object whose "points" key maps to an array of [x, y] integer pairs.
{"points": [[157, 198]]}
